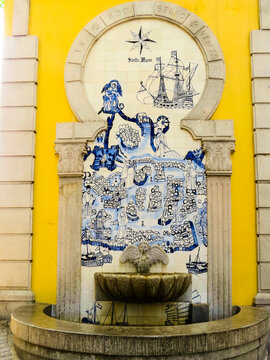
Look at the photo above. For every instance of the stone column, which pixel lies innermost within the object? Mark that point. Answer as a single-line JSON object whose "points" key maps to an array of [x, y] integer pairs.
{"points": [[70, 171], [218, 170]]}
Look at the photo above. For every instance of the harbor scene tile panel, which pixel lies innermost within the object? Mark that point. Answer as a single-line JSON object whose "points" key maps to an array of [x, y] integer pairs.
{"points": [[144, 177]]}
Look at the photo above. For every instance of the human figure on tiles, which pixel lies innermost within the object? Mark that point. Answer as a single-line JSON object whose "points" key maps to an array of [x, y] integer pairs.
{"points": [[129, 137]]}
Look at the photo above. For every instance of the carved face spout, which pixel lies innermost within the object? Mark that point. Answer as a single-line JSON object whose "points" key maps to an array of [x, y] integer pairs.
{"points": [[144, 247], [144, 256]]}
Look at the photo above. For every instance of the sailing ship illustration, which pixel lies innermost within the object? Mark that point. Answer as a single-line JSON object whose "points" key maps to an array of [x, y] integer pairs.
{"points": [[91, 317], [96, 257], [169, 86], [121, 321], [177, 314], [197, 266]]}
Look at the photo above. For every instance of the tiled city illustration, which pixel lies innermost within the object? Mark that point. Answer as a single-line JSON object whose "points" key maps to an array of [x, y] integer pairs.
{"points": [[143, 182]]}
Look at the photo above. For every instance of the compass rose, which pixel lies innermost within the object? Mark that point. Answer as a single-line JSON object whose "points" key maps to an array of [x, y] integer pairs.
{"points": [[140, 40]]}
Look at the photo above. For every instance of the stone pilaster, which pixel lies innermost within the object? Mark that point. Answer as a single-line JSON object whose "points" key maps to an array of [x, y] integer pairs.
{"points": [[260, 57], [218, 169], [70, 171], [18, 105]]}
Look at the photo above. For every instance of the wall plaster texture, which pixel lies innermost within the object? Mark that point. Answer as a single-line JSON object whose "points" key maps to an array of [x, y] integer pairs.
{"points": [[217, 139], [17, 136], [260, 53]]}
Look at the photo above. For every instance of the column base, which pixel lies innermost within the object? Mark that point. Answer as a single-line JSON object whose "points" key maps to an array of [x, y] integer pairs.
{"points": [[11, 299], [262, 299]]}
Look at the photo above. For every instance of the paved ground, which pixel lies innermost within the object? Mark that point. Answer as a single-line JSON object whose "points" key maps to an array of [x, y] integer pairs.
{"points": [[7, 351]]}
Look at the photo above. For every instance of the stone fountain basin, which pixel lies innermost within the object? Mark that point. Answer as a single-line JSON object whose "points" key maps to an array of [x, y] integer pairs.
{"points": [[143, 288], [38, 336]]}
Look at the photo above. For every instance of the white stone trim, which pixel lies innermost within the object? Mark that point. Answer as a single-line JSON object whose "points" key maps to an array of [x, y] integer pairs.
{"points": [[259, 43], [20, 17], [20, 47], [209, 129], [18, 119], [21, 242], [16, 196], [264, 14], [190, 22], [19, 70], [17, 137], [260, 57], [70, 171], [219, 276]]}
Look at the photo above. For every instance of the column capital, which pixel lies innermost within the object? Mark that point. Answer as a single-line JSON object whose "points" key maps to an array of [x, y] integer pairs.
{"points": [[218, 156], [71, 154]]}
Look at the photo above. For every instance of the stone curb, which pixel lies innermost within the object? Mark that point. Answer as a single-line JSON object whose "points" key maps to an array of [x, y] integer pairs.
{"points": [[38, 334]]}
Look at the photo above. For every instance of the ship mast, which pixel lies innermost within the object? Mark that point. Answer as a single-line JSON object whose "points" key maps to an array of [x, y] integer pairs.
{"points": [[162, 93], [177, 84], [197, 260], [189, 78]]}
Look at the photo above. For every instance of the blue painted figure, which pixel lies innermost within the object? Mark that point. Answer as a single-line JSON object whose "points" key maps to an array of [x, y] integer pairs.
{"points": [[106, 157], [158, 130], [112, 91]]}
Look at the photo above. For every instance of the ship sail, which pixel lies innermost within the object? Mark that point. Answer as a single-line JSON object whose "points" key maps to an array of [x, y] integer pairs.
{"points": [[149, 90], [162, 93], [187, 82]]}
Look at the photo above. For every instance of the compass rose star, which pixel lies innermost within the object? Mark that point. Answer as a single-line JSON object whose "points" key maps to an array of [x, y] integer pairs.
{"points": [[140, 40]]}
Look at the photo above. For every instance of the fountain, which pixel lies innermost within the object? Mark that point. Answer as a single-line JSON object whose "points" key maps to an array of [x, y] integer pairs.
{"points": [[143, 287], [144, 240]]}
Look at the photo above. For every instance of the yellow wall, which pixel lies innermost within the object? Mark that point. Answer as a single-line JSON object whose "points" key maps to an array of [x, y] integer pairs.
{"points": [[56, 23]]}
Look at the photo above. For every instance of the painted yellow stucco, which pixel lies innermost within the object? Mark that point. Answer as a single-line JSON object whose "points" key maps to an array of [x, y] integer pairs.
{"points": [[56, 23]]}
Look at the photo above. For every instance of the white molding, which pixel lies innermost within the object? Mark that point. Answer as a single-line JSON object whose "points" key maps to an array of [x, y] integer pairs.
{"points": [[20, 17], [17, 136], [264, 14], [260, 56]]}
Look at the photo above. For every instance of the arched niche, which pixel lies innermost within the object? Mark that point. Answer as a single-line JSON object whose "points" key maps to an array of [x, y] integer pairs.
{"points": [[216, 138]]}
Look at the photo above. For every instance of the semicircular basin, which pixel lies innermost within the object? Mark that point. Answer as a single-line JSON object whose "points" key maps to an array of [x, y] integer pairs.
{"points": [[143, 288]]}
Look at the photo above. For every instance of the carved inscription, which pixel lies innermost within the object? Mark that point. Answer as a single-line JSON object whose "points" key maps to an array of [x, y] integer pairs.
{"points": [[117, 13], [80, 46], [95, 26], [176, 13], [193, 24], [207, 41]]}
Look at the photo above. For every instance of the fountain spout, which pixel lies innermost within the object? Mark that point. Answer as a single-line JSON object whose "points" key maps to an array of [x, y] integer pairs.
{"points": [[144, 256]]}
